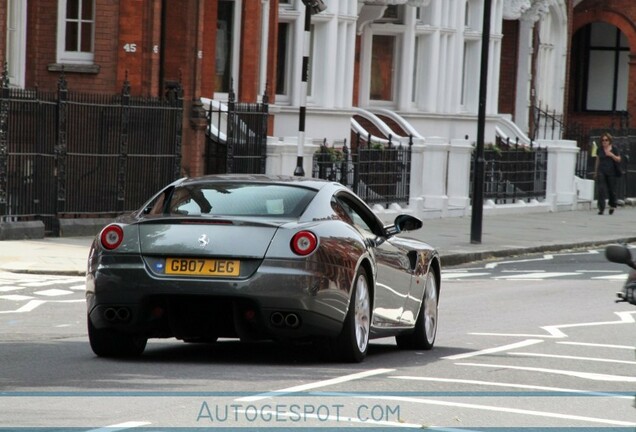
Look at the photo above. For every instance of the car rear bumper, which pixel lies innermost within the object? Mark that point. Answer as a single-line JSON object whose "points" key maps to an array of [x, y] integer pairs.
{"points": [[277, 301]]}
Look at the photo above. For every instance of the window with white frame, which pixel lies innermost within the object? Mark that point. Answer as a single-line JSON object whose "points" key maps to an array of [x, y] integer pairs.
{"points": [[607, 69], [76, 31], [283, 63], [227, 47], [472, 15], [290, 42]]}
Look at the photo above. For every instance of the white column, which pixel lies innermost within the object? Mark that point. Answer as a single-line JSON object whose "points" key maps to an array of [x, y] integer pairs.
{"points": [[433, 174], [561, 185], [282, 156], [459, 159]]}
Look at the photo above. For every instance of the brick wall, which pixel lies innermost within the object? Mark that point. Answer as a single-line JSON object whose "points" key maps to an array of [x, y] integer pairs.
{"points": [[41, 48]]}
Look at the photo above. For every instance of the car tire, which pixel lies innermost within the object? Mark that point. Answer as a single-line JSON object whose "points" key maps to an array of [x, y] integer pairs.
{"points": [[112, 343], [425, 329], [353, 342]]}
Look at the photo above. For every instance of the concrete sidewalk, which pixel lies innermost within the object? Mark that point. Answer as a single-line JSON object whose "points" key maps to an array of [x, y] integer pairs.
{"points": [[502, 235]]}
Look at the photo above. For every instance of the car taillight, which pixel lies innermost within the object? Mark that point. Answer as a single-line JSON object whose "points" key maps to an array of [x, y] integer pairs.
{"points": [[112, 236], [304, 243]]}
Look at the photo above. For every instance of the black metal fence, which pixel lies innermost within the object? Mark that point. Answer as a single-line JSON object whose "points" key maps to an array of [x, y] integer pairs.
{"points": [[237, 137], [377, 173], [546, 124], [65, 154], [513, 172]]}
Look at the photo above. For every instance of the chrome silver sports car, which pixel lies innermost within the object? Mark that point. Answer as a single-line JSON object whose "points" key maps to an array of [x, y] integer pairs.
{"points": [[260, 257]]}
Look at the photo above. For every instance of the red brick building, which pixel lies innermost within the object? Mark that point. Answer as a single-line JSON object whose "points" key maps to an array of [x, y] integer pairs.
{"points": [[209, 46], [151, 43], [602, 79]]}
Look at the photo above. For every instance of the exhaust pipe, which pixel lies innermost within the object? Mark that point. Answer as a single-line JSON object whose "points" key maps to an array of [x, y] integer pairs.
{"points": [[280, 319], [292, 320], [121, 314], [110, 314], [277, 319]]}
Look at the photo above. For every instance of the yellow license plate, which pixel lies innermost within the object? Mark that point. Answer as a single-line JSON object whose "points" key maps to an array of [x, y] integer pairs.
{"points": [[202, 267]]}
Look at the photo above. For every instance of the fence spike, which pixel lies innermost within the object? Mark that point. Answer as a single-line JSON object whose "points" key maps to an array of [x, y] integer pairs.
{"points": [[61, 81], [5, 75]]}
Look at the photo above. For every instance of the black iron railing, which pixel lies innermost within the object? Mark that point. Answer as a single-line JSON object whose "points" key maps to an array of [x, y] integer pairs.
{"points": [[513, 172], [546, 124], [65, 154], [378, 173], [237, 137]]}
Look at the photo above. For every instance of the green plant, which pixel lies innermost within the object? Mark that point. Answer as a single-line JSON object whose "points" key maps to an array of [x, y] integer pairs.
{"points": [[334, 154]]}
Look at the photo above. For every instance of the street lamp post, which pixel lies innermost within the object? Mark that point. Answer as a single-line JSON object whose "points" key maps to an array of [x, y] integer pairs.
{"points": [[312, 7], [478, 172]]}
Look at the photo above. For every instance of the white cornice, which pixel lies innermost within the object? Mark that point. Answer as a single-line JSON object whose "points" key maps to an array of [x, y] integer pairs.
{"points": [[396, 2], [371, 10], [526, 10], [513, 9]]}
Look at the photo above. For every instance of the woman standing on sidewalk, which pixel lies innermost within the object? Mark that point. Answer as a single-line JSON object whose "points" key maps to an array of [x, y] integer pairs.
{"points": [[606, 173]]}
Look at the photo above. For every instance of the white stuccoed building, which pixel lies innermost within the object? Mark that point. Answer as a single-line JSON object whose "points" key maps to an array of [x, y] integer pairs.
{"points": [[418, 61]]}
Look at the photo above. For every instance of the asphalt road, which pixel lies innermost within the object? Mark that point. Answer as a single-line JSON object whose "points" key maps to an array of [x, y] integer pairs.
{"points": [[543, 353]]}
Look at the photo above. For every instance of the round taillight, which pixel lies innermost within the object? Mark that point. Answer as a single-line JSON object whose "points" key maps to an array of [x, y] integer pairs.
{"points": [[112, 236], [304, 242]]}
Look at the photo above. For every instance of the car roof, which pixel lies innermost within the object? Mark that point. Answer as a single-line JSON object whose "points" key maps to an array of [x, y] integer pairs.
{"points": [[308, 182]]}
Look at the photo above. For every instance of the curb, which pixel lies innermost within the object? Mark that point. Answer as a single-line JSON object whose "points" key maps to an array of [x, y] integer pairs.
{"points": [[464, 258]]}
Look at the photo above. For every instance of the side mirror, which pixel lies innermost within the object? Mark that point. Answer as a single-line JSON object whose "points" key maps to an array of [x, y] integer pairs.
{"points": [[407, 223], [619, 254]]}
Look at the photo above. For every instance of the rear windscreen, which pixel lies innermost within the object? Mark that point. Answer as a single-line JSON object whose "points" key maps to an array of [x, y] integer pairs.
{"points": [[236, 199]]}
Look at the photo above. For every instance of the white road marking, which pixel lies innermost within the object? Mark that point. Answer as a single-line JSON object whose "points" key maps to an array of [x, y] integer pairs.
{"points": [[536, 275], [53, 292], [622, 277], [512, 385], [495, 264], [598, 345], [494, 350], [589, 252], [554, 331], [10, 282], [314, 385], [35, 303], [15, 297], [568, 357], [499, 409], [41, 283], [458, 275], [8, 288], [27, 307], [600, 271], [583, 375], [121, 426]]}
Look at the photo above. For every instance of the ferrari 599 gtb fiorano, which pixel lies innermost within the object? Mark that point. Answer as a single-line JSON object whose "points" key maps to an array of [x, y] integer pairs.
{"points": [[260, 257]]}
